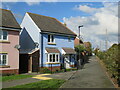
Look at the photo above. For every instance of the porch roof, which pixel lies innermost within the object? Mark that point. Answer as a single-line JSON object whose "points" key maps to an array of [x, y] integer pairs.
{"points": [[52, 50], [69, 51], [28, 51]]}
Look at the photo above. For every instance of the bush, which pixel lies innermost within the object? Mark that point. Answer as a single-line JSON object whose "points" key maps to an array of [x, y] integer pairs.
{"points": [[45, 70], [111, 60]]}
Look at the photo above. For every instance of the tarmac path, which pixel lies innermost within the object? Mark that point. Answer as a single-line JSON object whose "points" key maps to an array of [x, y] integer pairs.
{"points": [[91, 76]]}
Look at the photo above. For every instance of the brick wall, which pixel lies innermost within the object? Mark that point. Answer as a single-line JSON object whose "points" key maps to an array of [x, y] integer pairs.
{"points": [[72, 65], [54, 68], [12, 71]]}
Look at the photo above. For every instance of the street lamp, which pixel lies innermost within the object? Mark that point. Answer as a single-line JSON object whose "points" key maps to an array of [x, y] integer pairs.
{"points": [[79, 45], [79, 31]]}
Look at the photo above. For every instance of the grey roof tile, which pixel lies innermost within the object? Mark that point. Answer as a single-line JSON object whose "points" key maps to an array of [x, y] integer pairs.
{"points": [[7, 19], [49, 24]]}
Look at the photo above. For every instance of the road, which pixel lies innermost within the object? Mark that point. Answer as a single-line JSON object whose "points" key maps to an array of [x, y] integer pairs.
{"points": [[91, 76]]}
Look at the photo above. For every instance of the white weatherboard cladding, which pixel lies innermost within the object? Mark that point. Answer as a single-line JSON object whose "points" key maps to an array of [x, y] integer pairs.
{"points": [[63, 52], [31, 27]]}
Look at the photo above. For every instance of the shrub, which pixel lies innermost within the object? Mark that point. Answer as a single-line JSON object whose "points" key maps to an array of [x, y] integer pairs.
{"points": [[45, 70], [111, 60]]}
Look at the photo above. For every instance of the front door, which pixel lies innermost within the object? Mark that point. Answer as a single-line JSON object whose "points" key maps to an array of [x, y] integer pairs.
{"points": [[35, 62], [67, 61]]}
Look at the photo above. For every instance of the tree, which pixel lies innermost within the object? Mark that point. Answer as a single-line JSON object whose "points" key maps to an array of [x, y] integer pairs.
{"points": [[80, 48]]}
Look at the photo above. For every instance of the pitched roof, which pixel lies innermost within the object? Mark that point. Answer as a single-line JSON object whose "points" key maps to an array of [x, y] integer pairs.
{"points": [[8, 19], [49, 24], [52, 50], [28, 51], [69, 50]]}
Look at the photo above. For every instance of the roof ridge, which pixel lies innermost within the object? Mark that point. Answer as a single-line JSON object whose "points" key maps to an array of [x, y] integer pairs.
{"points": [[41, 15], [65, 26], [5, 9], [68, 31]]}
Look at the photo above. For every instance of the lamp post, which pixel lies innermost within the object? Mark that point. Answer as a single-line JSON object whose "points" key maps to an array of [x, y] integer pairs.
{"points": [[79, 45]]}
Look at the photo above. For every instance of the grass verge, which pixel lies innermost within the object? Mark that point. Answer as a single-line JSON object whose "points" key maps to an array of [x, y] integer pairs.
{"points": [[51, 84], [14, 77]]}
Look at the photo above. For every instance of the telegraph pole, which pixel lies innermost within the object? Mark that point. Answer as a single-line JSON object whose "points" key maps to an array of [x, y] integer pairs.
{"points": [[100, 45], [106, 42]]}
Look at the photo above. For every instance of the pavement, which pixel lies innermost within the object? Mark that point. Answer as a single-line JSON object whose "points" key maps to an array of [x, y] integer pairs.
{"points": [[91, 76]]}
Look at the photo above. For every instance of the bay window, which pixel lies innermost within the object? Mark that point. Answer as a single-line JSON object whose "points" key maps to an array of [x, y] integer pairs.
{"points": [[53, 57]]}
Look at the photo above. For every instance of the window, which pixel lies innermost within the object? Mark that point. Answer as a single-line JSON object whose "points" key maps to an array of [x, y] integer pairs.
{"points": [[51, 38], [3, 35], [53, 57], [3, 59], [57, 59], [69, 39]]}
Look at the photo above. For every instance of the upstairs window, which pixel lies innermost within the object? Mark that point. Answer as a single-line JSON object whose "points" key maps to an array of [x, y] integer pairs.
{"points": [[3, 59], [3, 35], [51, 38], [69, 39]]}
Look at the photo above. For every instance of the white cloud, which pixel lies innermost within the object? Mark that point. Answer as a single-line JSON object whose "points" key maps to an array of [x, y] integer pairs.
{"points": [[95, 26], [30, 2], [37, 2], [85, 8]]}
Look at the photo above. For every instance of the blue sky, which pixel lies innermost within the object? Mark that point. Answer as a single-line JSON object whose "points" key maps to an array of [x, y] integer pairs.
{"points": [[95, 16], [54, 9]]}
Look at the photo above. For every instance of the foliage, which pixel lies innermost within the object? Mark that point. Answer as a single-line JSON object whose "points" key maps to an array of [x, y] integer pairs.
{"points": [[80, 48], [71, 69], [89, 47], [45, 70], [52, 83], [15, 77], [96, 51], [111, 59]]}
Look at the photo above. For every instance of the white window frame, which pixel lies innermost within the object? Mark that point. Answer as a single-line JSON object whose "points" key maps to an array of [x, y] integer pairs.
{"points": [[51, 39], [3, 35], [48, 57], [1, 58]]}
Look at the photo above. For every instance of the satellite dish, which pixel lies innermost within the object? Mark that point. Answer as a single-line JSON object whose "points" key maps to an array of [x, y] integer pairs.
{"points": [[17, 46], [36, 44]]}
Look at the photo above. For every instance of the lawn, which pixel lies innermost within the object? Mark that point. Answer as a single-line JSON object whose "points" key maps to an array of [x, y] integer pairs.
{"points": [[52, 83], [14, 77]]}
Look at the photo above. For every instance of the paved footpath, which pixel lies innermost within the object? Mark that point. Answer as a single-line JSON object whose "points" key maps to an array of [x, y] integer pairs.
{"points": [[91, 76]]}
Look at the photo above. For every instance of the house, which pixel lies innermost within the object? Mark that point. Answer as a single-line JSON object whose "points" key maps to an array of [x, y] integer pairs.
{"points": [[9, 43], [46, 43], [88, 47], [77, 42]]}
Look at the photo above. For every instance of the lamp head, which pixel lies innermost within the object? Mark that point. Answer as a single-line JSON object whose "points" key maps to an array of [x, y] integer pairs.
{"points": [[80, 26]]}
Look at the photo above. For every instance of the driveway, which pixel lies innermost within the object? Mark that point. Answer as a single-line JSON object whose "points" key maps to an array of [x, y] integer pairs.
{"points": [[91, 76]]}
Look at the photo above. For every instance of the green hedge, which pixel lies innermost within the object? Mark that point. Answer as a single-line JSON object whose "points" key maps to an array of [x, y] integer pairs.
{"points": [[111, 59]]}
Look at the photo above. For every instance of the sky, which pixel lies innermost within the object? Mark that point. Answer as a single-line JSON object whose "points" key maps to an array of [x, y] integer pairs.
{"points": [[96, 17]]}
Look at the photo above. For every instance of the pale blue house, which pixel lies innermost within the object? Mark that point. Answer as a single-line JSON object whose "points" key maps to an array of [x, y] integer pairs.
{"points": [[53, 42]]}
